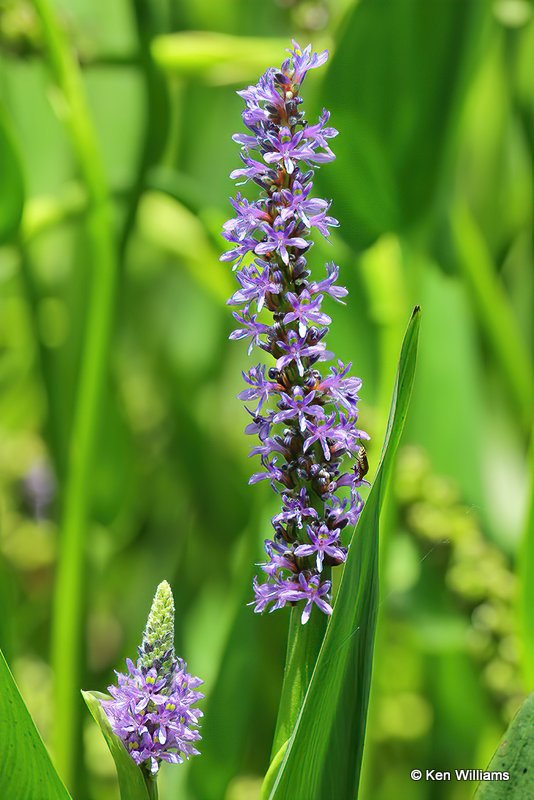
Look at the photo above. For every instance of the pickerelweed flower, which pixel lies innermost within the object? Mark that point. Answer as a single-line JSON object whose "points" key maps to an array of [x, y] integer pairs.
{"points": [[151, 707], [305, 420]]}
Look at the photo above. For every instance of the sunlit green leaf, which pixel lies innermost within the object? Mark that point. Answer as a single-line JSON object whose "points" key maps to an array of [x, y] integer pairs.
{"points": [[526, 592], [26, 771], [515, 755], [216, 57], [394, 89], [323, 758]]}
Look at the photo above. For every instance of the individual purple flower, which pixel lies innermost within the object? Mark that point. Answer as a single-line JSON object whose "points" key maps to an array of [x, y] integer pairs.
{"points": [[296, 508], [318, 134], [260, 388], [260, 425], [323, 541], [272, 472], [279, 558], [306, 422], [305, 311], [341, 512], [152, 706], [251, 170], [243, 246], [328, 285], [279, 237], [311, 590], [342, 389], [288, 149], [276, 591], [255, 285], [296, 348], [301, 61], [250, 328], [322, 431], [299, 406]]}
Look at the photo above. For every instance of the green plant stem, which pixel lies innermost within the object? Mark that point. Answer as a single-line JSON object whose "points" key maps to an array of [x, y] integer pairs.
{"points": [[151, 19], [67, 624], [152, 787], [303, 645]]}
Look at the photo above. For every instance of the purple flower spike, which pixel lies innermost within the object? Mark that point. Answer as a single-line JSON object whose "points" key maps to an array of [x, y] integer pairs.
{"points": [[306, 421], [151, 708]]}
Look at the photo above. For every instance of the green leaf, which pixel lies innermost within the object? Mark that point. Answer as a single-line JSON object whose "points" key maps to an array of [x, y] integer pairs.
{"points": [[26, 771], [514, 755], [323, 758], [131, 781], [215, 57], [495, 312], [526, 584], [395, 94], [12, 184]]}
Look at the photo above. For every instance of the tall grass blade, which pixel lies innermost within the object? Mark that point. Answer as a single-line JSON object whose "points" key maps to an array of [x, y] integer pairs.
{"points": [[323, 757], [67, 634]]}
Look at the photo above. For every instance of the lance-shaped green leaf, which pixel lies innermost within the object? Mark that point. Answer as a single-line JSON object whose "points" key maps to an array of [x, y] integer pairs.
{"points": [[323, 757], [131, 781], [402, 110], [26, 771], [515, 755]]}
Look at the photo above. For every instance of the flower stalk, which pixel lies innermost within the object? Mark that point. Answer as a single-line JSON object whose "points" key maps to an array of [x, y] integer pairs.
{"points": [[68, 626]]}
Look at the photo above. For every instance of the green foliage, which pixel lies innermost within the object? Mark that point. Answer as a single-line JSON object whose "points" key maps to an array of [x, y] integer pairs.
{"points": [[323, 756], [26, 771], [395, 93], [515, 755], [526, 588], [216, 56], [12, 191], [130, 776]]}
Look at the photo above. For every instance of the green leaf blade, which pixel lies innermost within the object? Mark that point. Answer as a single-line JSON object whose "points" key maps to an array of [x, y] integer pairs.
{"points": [[323, 758], [131, 781], [26, 771], [515, 755]]}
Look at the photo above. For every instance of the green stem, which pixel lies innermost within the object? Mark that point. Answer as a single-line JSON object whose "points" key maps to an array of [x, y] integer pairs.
{"points": [[303, 645], [67, 624], [151, 19], [151, 786]]}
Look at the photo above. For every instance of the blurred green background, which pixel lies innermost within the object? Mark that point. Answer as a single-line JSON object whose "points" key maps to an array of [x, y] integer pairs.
{"points": [[433, 189]]}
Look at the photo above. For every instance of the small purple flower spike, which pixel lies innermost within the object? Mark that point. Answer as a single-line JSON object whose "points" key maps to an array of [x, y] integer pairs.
{"points": [[315, 414], [152, 706]]}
